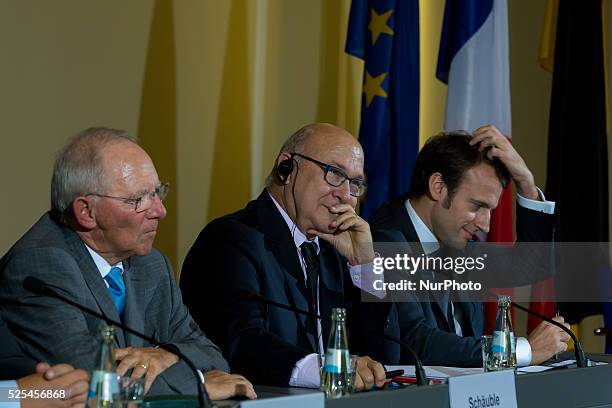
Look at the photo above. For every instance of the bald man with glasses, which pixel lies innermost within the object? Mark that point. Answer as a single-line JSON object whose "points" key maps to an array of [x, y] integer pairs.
{"points": [[300, 243]]}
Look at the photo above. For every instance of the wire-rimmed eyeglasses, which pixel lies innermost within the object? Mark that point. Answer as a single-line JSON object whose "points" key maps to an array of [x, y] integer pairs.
{"points": [[144, 201]]}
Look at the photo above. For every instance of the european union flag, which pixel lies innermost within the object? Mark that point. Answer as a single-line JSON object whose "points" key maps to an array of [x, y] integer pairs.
{"points": [[385, 34]]}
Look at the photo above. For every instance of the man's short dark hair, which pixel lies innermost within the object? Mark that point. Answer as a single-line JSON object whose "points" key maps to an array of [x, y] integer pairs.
{"points": [[450, 154]]}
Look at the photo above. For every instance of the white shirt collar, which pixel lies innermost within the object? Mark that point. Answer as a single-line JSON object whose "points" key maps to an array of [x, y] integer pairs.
{"points": [[428, 239], [103, 266], [298, 236]]}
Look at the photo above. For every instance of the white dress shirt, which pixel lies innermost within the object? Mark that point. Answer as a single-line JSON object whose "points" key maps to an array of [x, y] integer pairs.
{"points": [[103, 266]]}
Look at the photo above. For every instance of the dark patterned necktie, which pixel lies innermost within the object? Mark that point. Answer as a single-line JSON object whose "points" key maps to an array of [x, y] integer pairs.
{"points": [[311, 259]]}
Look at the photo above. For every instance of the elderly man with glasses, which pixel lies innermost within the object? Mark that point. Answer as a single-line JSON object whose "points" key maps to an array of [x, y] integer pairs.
{"points": [[300, 243], [95, 247]]}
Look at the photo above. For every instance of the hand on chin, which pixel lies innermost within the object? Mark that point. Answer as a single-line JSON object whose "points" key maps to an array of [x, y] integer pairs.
{"points": [[320, 230]]}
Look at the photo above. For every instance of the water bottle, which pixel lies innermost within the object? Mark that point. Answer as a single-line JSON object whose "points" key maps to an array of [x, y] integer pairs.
{"points": [[104, 383], [503, 349], [337, 375]]}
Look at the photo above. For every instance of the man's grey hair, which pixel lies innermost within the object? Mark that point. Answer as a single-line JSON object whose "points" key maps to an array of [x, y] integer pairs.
{"points": [[291, 145], [79, 168]]}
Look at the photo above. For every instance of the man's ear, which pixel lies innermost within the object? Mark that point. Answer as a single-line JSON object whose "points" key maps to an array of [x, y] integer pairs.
{"points": [[437, 187], [282, 156], [84, 213]]}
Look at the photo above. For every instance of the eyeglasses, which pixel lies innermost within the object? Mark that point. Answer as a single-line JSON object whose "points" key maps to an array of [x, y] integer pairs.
{"points": [[143, 202], [335, 176]]}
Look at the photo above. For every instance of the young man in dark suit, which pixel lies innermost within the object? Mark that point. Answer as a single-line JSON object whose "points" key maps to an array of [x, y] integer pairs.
{"points": [[300, 243], [457, 180]]}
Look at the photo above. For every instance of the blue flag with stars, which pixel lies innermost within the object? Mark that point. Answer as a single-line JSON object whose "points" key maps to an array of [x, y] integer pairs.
{"points": [[385, 34]]}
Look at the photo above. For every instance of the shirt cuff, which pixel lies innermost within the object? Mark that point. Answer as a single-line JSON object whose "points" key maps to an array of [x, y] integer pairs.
{"points": [[364, 278], [523, 352], [306, 372], [4, 387], [544, 206]]}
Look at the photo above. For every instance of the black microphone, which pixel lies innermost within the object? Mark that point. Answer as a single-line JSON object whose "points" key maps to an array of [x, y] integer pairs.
{"points": [[603, 331], [421, 378], [39, 287], [419, 372], [581, 360]]}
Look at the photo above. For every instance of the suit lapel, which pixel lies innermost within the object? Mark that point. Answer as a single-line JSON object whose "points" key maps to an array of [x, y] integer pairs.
{"points": [[398, 210], [280, 241], [472, 316], [136, 297], [94, 281]]}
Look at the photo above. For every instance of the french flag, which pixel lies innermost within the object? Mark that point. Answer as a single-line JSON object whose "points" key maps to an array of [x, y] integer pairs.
{"points": [[473, 62]]}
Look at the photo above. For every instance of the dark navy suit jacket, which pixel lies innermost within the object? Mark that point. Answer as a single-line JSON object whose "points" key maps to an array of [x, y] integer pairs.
{"points": [[423, 324], [253, 250]]}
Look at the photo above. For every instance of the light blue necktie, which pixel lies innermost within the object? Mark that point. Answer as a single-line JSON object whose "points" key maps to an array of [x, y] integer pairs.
{"points": [[116, 288]]}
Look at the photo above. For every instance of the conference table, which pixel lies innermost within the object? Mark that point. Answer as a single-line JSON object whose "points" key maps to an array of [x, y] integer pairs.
{"points": [[560, 387]]}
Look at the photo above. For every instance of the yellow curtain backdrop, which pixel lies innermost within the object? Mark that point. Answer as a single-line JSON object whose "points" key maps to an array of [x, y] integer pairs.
{"points": [[157, 119]]}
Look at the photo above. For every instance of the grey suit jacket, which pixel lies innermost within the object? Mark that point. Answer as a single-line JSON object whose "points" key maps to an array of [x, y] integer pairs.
{"points": [[52, 331], [13, 363]]}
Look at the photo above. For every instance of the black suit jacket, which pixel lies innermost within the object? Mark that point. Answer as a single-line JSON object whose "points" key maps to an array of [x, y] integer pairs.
{"points": [[13, 362], [253, 250], [423, 324]]}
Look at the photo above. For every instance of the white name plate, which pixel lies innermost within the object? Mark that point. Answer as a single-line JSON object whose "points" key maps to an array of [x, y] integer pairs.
{"points": [[488, 390]]}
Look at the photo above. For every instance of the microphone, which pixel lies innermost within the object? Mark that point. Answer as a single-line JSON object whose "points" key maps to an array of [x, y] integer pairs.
{"points": [[581, 360], [419, 372], [421, 378], [603, 331], [39, 287]]}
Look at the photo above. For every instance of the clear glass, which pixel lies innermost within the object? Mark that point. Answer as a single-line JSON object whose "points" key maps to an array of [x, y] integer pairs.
{"points": [[337, 377], [487, 343], [502, 354], [104, 384], [131, 392]]}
